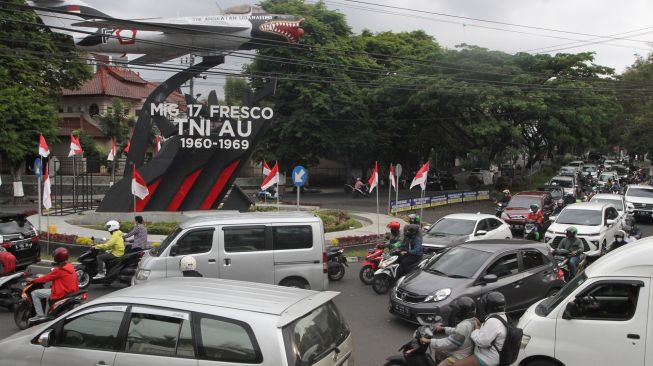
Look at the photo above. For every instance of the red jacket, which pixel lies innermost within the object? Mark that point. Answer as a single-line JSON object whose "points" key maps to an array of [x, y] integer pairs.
{"points": [[537, 217], [64, 281], [8, 262]]}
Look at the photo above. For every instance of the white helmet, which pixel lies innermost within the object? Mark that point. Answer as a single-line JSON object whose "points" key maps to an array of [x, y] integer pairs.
{"points": [[187, 263], [112, 225]]}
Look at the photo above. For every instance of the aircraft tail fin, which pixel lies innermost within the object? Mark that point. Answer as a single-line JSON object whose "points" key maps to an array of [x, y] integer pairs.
{"points": [[62, 23]]}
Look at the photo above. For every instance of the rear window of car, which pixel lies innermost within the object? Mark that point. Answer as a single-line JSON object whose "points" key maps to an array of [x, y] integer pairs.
{"points": [[315, 335], [562, 183], [14, 226]]}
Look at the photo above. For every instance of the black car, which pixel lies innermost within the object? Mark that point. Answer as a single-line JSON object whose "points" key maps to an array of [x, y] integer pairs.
{"points": [[20, 238], [522, 270], [440, 181]]}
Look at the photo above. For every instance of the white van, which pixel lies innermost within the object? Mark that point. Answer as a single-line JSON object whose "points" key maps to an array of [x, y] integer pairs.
{"points": [[284, 249], [604, 316]]}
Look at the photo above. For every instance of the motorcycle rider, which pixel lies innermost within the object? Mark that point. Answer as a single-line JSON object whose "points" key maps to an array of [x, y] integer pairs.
{"points": [[489, 337], [505, 199], [188, 267], [415, 219], [359, 184], [139, 232], [575, 246], [411, 249], [64, 282], [458, 343], [619, 240], [635, 232], [393, 238], [7, 262], [560, 204], [116, 244]]}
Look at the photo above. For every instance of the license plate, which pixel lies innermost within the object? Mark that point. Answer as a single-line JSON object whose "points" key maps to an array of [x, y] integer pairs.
{"points": [[402, 310], [22, 246]]}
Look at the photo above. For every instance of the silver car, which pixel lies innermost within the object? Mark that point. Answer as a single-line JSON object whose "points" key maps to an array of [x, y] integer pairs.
{"points": [[191, 321]]}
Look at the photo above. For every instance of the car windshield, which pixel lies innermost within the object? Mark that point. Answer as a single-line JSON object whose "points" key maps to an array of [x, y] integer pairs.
{"points": [[548, 305], [314, 336], [605, 177], [563, 183], [523, 201], [448, 226], [155, 252], [589, 169], [14, 226], [640, 192], [579, 217], [458, 262], [617, 203]]}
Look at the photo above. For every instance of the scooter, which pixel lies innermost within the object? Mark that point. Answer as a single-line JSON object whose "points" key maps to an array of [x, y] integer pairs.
{"points": [[121, 269], [371, 264], [24, 309], [336, 264], [499, 209], [386, 276], [414, 353], [531, 231], [10, 289], [562, 256]]}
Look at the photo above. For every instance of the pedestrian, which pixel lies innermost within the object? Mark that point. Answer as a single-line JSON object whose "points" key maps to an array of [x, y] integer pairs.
{"points": [[139, 232]]}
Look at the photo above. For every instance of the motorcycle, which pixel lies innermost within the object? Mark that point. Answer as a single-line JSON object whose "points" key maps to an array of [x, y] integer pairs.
{"points": [[386, 276], [414, 353], [121, 269], [531, 231], [371, 264], [336, 264], [562, 256], [500, 208], [24, 309], [10, 289]]}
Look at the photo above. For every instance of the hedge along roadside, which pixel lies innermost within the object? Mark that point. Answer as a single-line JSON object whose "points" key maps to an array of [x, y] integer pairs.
{"points": [[438, 201]]}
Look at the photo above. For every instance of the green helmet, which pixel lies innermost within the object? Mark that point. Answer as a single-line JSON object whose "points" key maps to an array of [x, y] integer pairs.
{"points": [[414, 219], [572, 230]]}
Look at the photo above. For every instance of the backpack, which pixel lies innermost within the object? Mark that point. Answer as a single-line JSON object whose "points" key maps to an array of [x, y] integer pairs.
{"points": [[510, 351]]}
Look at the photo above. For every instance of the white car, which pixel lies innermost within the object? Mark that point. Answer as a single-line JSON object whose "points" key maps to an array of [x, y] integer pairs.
{"points": [[608, 163], [603, 178], [577, 164], [596, 223], [640, 196], [568, 171], [590, 170], [600, 318], [568, 184], [456, 229], [616, 200]]}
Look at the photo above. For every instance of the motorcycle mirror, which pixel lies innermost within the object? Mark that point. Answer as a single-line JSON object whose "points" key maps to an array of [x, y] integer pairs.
{"points": [[427, 227], [44, 338]]}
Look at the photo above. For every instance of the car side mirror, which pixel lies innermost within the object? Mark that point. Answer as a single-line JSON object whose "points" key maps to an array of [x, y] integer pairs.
{"points": [[610, 222], [489, 278], [426, 228], [481, 233], [44, 338], [173, 251], [571, 311]]}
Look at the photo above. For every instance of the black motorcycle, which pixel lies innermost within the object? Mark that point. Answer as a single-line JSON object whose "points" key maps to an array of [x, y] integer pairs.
{"points": [[562, 257], [414, 353], [499, 209], [24, 309], [119, 269], [10, 288], [336, 264]]}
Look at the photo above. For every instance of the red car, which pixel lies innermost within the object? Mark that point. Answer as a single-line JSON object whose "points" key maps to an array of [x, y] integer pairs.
{"points": [[520, 205]]}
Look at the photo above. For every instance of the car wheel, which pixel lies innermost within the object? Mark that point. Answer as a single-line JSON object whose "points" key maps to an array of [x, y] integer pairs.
{"points": [[293, 282]]}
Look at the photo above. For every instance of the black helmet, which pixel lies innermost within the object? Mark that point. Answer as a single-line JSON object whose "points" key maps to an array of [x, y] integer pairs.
{"points": [[464, 307], [534, 207], [493, 302], [410, 231]]}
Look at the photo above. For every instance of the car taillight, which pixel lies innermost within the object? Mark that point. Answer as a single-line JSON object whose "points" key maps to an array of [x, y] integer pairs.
{"points": [[325, 266], [84, 296]]}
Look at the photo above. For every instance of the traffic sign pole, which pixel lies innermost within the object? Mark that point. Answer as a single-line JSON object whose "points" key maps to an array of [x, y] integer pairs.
{"points": [[298, 189]]}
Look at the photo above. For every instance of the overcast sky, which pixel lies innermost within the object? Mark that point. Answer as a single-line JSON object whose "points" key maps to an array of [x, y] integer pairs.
{"points": [[627, 19]]}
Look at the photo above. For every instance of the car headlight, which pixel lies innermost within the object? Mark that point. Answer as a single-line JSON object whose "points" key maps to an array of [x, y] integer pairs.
{"points": [[438, 295], [524, 340], [143, 274]]}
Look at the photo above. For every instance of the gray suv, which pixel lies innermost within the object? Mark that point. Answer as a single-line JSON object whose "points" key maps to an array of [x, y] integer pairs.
{"points": [[191, 321]]}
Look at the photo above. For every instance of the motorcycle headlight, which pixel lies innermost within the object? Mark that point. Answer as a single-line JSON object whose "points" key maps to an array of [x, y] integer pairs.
{"points": [[143, 274], [438, 295]]}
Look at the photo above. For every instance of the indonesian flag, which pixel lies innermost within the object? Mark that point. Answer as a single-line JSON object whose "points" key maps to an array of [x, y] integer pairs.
{"points": [[129, 144], [272, 178], [44, 150], [157, 143], [266, 169], [393, 180], [75, 146], [374, 179], [112, 152], [139, 188], [420, 177], [47, 200]]}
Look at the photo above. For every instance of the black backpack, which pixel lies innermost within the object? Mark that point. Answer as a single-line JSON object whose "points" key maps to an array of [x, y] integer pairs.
{"points": [[510, 351]]}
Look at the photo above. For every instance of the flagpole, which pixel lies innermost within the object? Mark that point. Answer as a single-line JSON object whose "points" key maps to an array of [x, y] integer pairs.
{"points": [[134, 194], [421, 206], [378, 216], [397, 196], [390, 181], [47, 222], [39, 201], [74, 181]]}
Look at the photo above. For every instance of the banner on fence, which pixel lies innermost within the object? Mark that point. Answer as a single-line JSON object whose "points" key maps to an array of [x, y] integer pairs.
{"points": [[455, 197], [483, 195], [436, 201], [423, 202], [401, 205], [469, 196]]}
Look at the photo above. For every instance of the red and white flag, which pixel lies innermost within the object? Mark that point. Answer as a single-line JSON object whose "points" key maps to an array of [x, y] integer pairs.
{"points": [[112, 152], [44, 150], [420, 177], [266, 169], [47, 191], [75, 146], [157, 143], [129, 144], [272, 178], [393, 180], [139, 187], [373, 182]]}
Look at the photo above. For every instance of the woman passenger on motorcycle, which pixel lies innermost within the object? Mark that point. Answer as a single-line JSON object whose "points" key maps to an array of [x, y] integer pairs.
{"points": [[458, 343], [411, 249], [393, 238], [64, 282], [635, 232], [116, 245]]}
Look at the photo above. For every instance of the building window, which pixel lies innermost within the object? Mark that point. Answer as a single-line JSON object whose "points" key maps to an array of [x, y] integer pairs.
{"points": [[93, 110], [69, 109]]}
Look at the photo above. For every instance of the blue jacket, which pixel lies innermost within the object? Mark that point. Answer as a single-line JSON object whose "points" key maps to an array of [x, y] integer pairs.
{"points": [[415, 246]]}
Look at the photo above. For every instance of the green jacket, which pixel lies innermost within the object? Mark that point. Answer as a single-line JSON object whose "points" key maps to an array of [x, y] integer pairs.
{"points": [[571, 245], [116, 244]]}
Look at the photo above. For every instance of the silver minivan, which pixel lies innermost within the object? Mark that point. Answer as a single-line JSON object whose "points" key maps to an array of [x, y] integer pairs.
{"points": [[191, 321], [277, 248]]}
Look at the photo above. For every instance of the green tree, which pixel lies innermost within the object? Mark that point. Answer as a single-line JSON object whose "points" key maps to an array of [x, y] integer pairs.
{"points": [[36, 65], [234, 89], [637, 123], [115, 124]]}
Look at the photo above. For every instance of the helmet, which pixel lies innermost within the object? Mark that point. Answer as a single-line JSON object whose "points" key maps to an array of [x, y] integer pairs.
{"points": [[572, 230], [187, 263], [112, 225], [414, 219], [60, 255], [560, 202], [505, 191], [410, 231], [620, 233], [626, 228], [493, 302], [394, 225], [464, 307], [534, 207]]}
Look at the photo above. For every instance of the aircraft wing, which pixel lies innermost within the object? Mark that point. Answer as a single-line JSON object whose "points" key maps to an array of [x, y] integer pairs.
{"points": [[159, 27], [158, 57]]}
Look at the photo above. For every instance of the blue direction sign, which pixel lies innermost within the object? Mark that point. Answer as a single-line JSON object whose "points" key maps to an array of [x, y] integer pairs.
{"points": [[299, 176], [37, 167]]}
